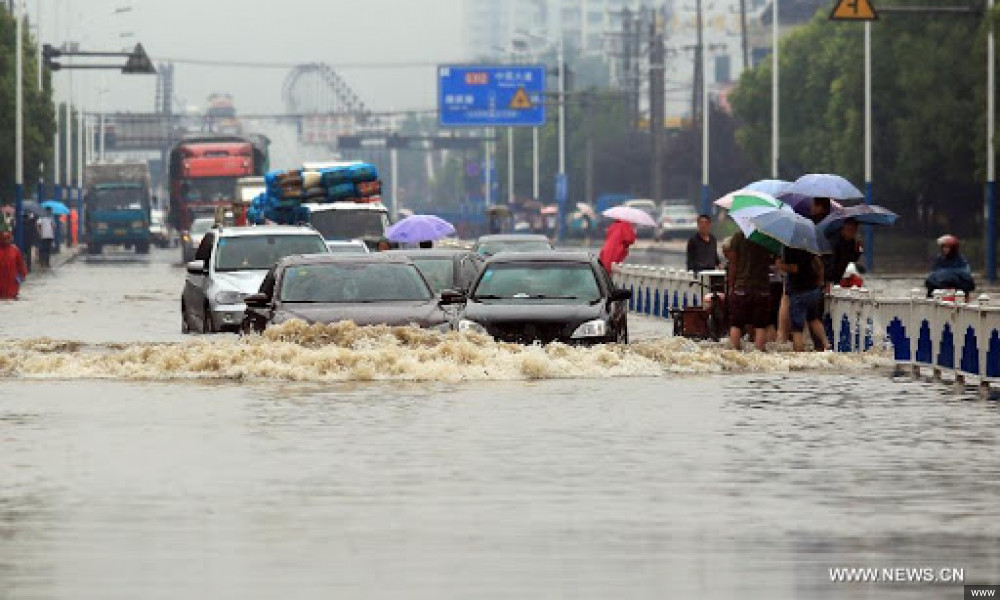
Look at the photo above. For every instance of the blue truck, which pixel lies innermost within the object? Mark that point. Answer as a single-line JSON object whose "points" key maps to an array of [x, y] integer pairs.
{"points": [[117, 206]]}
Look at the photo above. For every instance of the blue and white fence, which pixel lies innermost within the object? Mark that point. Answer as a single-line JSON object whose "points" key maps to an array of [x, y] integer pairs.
{"points": [[943, 334], [656, 290]]}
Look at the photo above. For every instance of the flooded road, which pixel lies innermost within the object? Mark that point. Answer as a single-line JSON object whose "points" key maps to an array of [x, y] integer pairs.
{"points": [[511, 473]]}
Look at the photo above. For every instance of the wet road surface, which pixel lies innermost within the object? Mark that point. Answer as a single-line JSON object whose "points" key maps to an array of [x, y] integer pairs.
{"points": [[710, 484]]}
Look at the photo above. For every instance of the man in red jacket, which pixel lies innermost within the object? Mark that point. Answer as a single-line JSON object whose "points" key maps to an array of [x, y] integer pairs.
{"points": [[621, 235], [12, 267]]}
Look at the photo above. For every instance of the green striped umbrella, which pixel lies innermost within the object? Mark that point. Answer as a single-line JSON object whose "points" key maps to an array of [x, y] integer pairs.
{"points": [[748, 205]]}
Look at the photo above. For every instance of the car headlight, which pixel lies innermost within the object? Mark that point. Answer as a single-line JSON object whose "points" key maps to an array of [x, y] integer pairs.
{"points": [[102, 226], [468, 326], [595, 328], [229, 297], [138, 224]]}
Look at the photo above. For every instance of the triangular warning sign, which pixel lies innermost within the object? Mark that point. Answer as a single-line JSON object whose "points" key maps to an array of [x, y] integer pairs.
{"points": [[520, 99], [854, 10]]}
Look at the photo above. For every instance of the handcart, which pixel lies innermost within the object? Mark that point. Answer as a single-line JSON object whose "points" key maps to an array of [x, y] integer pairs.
{"points": [[709, 320]]}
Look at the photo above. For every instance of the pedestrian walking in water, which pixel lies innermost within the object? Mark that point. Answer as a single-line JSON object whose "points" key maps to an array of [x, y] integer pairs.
{"points": [[12, 267], [620, 237], [750, 299], [703, 248], [46, 236], [805, 296]]}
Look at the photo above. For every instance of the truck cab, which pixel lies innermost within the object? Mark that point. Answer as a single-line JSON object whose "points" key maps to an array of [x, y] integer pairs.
{"points": [[342, 221], [117, 207]]}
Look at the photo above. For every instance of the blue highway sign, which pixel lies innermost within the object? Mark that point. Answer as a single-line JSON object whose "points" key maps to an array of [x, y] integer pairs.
{"points": [[491, 95]]}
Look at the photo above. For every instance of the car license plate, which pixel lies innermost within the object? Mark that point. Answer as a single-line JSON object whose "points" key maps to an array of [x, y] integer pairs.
{"points": [[121, 231]]}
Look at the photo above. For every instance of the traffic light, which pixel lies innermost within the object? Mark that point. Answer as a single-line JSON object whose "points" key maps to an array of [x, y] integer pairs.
{"points": [[48, 53]]}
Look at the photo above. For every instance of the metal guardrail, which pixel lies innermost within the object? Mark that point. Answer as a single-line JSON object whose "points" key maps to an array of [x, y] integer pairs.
{"points": [[943, 334]]}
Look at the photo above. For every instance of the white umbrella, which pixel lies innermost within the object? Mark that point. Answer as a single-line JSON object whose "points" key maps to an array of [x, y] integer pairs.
{"points": [[630, 215]]}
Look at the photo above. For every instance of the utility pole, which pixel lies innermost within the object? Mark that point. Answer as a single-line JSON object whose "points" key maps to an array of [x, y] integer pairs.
{"points": [[699, 80], [743, 35], [19, 129], [656, 109], [705, 109], [991, 166]]}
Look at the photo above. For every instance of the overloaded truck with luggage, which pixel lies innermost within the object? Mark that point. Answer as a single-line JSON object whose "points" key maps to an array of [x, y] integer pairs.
{"points": [[341, 200], [117, 206]]}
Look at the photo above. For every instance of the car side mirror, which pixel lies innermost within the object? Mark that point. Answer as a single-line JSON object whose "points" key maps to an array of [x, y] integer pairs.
{"points": [[452, 297], [619, 294], [197, 267], [256, 300]]}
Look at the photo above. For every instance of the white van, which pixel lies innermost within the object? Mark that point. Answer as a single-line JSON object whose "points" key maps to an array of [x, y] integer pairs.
{"points": [[342, 221]]}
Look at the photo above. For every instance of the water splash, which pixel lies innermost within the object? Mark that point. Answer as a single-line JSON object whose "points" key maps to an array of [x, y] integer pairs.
{"points": [[296, 351]]}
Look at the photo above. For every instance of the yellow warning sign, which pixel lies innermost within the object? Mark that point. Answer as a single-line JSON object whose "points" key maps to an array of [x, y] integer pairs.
{"points": [[854, 10], [520, 100]]}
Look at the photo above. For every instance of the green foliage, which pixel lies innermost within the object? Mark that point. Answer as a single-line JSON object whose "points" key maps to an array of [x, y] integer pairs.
{"points": [[39, 125], [928, 100]]}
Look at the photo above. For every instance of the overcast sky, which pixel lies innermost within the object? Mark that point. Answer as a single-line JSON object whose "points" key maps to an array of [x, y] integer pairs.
{"points": [[347, 32]]}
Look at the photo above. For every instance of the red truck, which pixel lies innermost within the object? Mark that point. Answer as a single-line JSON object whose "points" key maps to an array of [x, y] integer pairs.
{"points": [[203, 172]]}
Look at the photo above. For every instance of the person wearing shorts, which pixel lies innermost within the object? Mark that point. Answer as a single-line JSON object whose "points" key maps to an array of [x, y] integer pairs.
{"points": [[750, 300], [805, 297]]}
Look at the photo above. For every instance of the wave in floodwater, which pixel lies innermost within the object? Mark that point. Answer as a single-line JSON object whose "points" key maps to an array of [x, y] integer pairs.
{"points": [[296, 351]]}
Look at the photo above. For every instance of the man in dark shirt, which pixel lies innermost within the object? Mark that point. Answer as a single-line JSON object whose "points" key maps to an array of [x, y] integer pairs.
{"points": [[750, 299], [846, 250], [805, 293], [702, 248]]}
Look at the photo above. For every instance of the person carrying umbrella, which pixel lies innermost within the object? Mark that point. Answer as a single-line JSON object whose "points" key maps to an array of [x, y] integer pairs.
{"points": [[750, 298], [46, 234], [620, 236], [12, 268], [846, 250], [805, 296], [950, 269]]}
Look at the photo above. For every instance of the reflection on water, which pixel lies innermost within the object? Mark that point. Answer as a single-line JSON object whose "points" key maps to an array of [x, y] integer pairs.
{"points": [[723, 486]]}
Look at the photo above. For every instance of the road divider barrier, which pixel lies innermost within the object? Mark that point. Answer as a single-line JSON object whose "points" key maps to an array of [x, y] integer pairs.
{"points": [[944, 334]]}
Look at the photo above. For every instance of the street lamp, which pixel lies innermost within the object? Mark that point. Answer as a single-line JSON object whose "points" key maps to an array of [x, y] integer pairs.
{"points": [[562, 186]]}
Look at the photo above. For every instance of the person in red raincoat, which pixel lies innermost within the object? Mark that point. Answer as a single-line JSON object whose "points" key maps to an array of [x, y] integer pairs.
{"points": [[620, 236], [12, 267]]}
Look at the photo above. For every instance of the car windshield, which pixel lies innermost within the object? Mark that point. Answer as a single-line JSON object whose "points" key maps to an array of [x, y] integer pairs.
{"points": [[347, 248], [564, 281], [526, 245], [349, 224], [353, 282], [117, 198], [208, 189], [259, 252], [201, 226], [439, 272]]}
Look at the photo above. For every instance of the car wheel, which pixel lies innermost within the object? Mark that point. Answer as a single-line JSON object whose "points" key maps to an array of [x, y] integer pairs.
{"points": [[623, 334], [185, 324], [207, 326]]}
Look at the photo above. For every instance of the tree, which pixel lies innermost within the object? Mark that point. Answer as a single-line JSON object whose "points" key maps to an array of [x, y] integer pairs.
{"points": [[39, 124], [927, 110]]}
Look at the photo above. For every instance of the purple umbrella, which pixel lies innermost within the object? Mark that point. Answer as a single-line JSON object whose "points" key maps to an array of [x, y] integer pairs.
{"points": [[803, 204], [420, 228]]}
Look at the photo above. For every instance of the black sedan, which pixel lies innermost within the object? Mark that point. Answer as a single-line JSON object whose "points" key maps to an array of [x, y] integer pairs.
{"points": [[546, 297], [444, 269], [489, 245], [369, 289]]}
